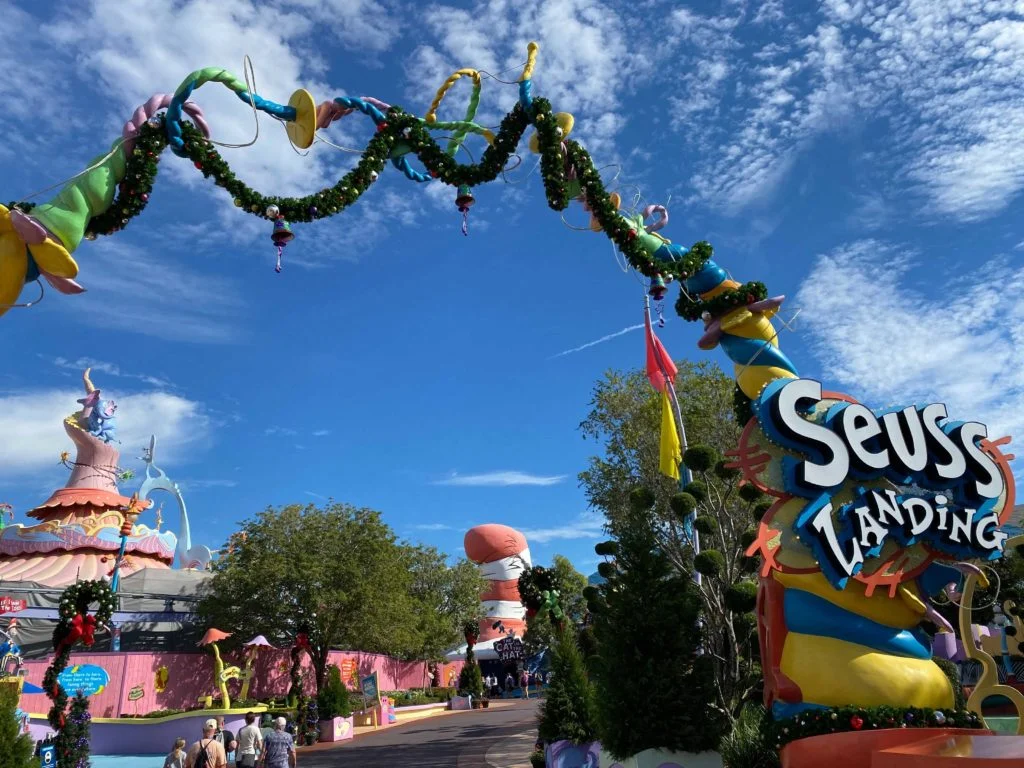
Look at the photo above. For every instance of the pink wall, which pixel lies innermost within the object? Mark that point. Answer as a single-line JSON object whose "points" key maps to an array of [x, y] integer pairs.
{"points": [[191, 676]]}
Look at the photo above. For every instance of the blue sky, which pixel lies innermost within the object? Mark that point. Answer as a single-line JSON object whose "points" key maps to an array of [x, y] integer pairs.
{"points": [[864, 158]]}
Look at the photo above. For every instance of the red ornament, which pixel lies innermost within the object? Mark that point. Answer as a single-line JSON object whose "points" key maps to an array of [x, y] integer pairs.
{"points": [[145, 197], [631, 235], [382, 126], [750, 299], [198, 165], [433, 174], [857, 722]]}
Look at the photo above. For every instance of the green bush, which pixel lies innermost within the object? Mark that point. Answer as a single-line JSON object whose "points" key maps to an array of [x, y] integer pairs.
{"points": [[606, 569], [471, 682], [333, 700], [606, 548], [700, 458], [16, 748], [749, 492], [537, 759], [741, 597], [747, 538], [698, 490], [705, 524], [710, 562], [760, 509], [569, 711], [641, 499], [683, 504], [723, 472], [747, 746]]}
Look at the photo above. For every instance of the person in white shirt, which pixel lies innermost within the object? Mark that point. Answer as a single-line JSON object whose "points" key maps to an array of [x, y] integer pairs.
{"points": [[250, 743]]}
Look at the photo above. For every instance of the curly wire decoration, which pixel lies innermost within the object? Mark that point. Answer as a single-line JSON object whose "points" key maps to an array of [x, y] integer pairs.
{"points": [[157, 102], [659, 222]]}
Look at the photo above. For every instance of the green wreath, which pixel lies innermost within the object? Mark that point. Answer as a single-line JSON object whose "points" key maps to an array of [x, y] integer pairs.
{"points": [[75, 624]]}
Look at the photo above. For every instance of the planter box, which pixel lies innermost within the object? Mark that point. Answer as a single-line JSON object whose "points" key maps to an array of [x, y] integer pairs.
{"points": [[655, 758], [461, 702], [338, 729], [565, 754]]}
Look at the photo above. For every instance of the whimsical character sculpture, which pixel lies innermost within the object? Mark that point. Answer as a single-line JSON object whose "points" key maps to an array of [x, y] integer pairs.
{"points": [[502, 553], [221, 674]]}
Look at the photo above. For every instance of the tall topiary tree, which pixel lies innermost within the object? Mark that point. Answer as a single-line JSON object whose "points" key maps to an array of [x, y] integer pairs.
{"points": [[16, 748], [649, 671], [334, 697], [73, 739], [471, 681], [569, 712]]}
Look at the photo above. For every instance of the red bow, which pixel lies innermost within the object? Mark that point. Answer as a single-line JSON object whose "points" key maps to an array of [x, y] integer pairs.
{"points": [[89, 630], [75, 631], [302, 640]]}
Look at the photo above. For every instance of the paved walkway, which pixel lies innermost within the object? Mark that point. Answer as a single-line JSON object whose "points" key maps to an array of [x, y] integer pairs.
{"points": [[476, 739]]}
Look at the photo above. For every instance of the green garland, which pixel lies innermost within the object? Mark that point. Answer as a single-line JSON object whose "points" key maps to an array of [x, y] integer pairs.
{"points": [[400, 133], [74, 602], [845, 719], [734, 298]]}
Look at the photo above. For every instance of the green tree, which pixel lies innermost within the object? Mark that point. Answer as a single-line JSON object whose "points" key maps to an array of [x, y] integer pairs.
{"points": [[570, 583], [625, 418], [337, 573], [569, 711], [333, 700], [653, 683], [445, 599], [471, 680], [16, 748]]}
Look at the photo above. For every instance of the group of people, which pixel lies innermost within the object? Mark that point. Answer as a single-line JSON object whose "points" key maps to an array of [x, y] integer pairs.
{"points": [[494, 687], [269, 746]]}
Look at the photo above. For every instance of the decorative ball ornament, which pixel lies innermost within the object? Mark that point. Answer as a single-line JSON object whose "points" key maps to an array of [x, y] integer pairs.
{"points": [[153, 122], [856, 722], [273, 211], [939, 718], [373, 175]]}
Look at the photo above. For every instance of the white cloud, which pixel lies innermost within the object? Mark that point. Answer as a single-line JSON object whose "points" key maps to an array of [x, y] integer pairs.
{"points": [[33, 426], [589, 525], [601, 340], [886, 342], [111, 369], [434, 527], [196, 485], [130, 289], [586, 63], [321, 433], [279, 431], [501, 478]]}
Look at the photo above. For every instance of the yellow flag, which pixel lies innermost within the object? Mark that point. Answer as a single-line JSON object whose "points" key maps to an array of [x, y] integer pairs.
{"points": [[671, 452]]}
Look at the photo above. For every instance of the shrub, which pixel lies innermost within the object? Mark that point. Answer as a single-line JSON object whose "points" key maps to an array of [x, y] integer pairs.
{"points": [[761, 508], [723, 472], [705, 524], [750, 493], [606, 548], [698, 490], [537, 759], [606, 569], [710, 562], [741, 597], [641, 499], [471, 682], [747, 746], [334, 697], [16, 748], [747, 538], [700, 458], [683, 504], [569, 710]]}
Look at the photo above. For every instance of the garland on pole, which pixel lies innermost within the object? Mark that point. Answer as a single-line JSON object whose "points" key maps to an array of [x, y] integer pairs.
{"points": [[74, 624]]}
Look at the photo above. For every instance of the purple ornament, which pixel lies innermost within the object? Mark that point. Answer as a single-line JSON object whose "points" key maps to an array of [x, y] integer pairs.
{"points": [[312, 210], [909, 717]]}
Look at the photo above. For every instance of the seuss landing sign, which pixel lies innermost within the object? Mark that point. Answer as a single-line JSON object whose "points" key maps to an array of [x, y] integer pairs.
{"points": [[876, 494]]}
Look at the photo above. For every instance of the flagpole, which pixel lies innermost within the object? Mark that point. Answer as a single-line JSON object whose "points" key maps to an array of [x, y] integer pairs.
{"points": [[685, 477]]}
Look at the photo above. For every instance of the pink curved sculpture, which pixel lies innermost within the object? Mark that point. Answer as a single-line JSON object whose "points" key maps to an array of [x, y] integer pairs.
{"points": [[502, 554], [79, 533]]}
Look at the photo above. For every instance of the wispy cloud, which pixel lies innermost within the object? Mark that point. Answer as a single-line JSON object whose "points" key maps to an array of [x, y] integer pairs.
{"points": [[36, 419], [197, 485], [501, 478], [316, 495], [111, 369], [279, 431], [589, 525], [434, 527], [321, 433], [885, 340], [595, 342]]}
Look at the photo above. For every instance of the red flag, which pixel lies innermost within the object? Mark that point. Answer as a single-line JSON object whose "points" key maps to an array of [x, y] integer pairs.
{"points": [[659, 362]]}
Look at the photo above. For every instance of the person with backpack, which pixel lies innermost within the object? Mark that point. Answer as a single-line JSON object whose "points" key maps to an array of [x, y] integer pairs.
{"points": [[207, 752]]}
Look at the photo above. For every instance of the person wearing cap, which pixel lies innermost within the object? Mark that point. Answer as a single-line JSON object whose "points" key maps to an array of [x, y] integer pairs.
{"points": [[207, 747], [278, 747]]}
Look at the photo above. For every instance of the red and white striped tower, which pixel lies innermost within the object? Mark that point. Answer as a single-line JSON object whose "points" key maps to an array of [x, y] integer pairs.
{"points": [[502, 554]]}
